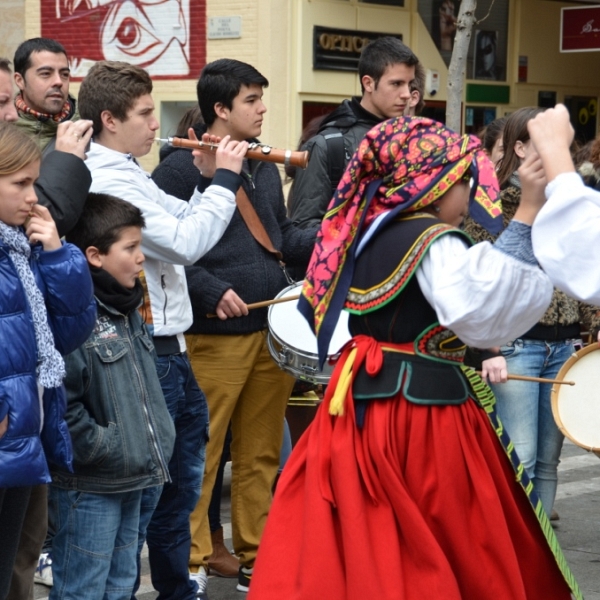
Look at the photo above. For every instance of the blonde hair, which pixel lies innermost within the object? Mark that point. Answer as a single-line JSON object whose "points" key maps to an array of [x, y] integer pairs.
{"points": [[17, 150]]}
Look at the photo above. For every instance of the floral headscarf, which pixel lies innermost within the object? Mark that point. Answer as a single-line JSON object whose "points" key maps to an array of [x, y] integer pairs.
{"points": [[402, 165]]}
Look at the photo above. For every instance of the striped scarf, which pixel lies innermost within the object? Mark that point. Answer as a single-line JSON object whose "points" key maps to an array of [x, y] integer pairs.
{"points": [[63, 115]]}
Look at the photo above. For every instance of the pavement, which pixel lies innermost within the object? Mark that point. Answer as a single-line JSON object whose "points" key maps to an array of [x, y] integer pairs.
{"points": [[578, 530]]}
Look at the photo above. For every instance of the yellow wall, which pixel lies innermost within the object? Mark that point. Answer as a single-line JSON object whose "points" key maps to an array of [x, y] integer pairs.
{"points": [[12, 27], [537, 36], [277, 39]]}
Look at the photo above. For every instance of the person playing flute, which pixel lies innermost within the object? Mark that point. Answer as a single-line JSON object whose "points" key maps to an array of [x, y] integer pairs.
{"points": [[229, 354], [116, 97]]}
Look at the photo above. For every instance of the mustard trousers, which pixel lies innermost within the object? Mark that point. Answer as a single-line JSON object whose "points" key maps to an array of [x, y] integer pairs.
{"points": [[244, 386]]}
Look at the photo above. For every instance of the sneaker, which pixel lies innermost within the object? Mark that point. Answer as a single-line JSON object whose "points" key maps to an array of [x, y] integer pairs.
{"points": [[244, 577], [43, 571], [201, 578]]}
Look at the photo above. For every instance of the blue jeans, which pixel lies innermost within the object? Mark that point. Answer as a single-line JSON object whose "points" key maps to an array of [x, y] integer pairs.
{"points": [[150, 498], [168, 534], [94, 546], [286, 446], [525, 410]]}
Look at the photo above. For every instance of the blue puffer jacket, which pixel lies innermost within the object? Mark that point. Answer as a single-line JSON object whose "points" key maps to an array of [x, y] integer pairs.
{"points": [[64, 280]]}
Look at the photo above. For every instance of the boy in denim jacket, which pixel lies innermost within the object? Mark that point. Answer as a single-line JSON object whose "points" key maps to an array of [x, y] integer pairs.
{"points": [[122, 433]]}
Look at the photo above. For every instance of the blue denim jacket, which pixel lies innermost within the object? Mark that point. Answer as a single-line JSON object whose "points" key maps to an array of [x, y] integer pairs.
{"points": [[122, 432]]}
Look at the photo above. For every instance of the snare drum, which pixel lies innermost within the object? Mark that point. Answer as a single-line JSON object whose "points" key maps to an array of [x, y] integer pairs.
{"points": [[292, 343], [575, 407]]}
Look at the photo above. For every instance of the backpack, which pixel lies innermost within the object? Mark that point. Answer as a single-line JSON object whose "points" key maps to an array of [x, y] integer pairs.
{"points": [[336, 157], [333, 129]]}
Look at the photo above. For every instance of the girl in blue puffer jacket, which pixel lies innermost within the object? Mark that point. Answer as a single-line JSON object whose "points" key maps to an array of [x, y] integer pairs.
{"points": [[46, 309]]}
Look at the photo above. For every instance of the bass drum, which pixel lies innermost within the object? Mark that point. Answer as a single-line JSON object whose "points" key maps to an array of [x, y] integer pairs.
{"points": [[292, 343], [576, 407]]}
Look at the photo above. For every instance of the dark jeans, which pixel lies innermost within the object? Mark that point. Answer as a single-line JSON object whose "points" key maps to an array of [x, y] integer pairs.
{"points": [[32, 537], [168, 534], [13, 505], [214, 508]]}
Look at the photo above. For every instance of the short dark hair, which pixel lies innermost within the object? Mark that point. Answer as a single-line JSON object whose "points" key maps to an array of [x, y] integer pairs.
{"points": [[491, 132], [380, 54], [102, 221], [114, 86], [220, 81], [22, 59], [5, 65], [418, 85]]}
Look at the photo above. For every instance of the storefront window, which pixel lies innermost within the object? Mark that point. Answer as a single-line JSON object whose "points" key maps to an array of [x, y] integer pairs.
{"points": [[477, 117], [486, 58]]}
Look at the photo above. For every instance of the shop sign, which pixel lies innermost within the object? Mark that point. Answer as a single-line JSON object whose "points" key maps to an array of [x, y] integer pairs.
{"points": [[339, 49], [580, 29]]}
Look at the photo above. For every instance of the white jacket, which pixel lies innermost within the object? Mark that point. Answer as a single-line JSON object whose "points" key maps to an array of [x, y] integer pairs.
{"points": [[177, 232]]}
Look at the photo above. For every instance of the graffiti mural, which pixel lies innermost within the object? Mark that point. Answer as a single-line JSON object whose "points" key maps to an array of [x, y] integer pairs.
{"points": [[165, 37]]}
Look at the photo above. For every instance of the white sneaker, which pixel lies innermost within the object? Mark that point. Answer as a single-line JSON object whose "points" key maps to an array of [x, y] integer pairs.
{"points": [[201, 578], [244, 577], [43, 571]]}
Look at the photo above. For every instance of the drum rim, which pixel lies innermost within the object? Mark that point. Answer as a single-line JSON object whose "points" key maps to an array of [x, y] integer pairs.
{"points": [[555, 393]]}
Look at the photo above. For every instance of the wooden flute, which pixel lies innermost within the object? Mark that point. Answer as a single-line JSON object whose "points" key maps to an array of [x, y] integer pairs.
{"points": [[255, 151]]}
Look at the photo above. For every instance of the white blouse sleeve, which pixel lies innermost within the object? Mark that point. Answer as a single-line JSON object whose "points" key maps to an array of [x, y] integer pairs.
{"points": [[482, 294], [566, 237]]}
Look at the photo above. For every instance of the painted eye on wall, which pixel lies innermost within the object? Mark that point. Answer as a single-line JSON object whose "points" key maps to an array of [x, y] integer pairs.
{"points": [[132, 38], [125, 37]]}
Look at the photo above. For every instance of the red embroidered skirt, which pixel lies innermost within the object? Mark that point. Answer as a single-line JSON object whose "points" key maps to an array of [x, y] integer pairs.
{"points": [[420, 503]]}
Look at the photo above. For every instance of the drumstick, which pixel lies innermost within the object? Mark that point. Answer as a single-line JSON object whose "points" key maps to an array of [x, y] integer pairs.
{"points": [[536, 379], [263, 303]]}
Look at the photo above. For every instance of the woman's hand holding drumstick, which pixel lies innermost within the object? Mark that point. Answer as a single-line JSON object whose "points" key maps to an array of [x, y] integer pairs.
{"points": [[495, 370], [535, 379]]}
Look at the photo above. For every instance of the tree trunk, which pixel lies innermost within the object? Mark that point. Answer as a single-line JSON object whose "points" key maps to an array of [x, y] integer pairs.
{"points": [[458, 62]]}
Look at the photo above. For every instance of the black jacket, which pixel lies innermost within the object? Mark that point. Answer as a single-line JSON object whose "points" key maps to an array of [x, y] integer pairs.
{"points": [[239, 262], [62, 187], [311, 191]]}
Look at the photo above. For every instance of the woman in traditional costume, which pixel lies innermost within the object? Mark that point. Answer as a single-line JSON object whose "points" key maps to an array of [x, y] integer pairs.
{"points": [[405, 486]]}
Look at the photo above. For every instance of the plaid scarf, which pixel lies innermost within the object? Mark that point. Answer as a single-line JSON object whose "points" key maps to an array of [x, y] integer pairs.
{"points": [[402, 165], [63, 115]]}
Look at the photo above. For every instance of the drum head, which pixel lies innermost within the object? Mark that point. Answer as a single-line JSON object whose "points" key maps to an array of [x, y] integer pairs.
{"points": [[575, 407], [290, 326]]}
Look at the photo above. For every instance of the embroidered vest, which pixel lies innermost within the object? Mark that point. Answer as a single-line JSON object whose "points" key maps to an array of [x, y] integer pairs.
{"points": [[386, 302]]}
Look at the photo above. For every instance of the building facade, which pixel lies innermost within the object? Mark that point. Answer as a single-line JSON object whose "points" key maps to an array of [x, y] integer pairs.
{"points": [[308, 50]]}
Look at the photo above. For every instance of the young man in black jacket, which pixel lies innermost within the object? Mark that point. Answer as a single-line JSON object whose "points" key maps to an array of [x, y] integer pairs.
{"points": [[229, 354], [386, 69]]}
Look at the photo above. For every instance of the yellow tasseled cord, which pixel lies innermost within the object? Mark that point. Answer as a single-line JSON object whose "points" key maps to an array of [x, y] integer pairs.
{"points": [[336, 406]]}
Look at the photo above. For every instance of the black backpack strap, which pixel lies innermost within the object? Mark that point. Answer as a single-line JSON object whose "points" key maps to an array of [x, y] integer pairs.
{"points": [[50, 146], [336, 157]]}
